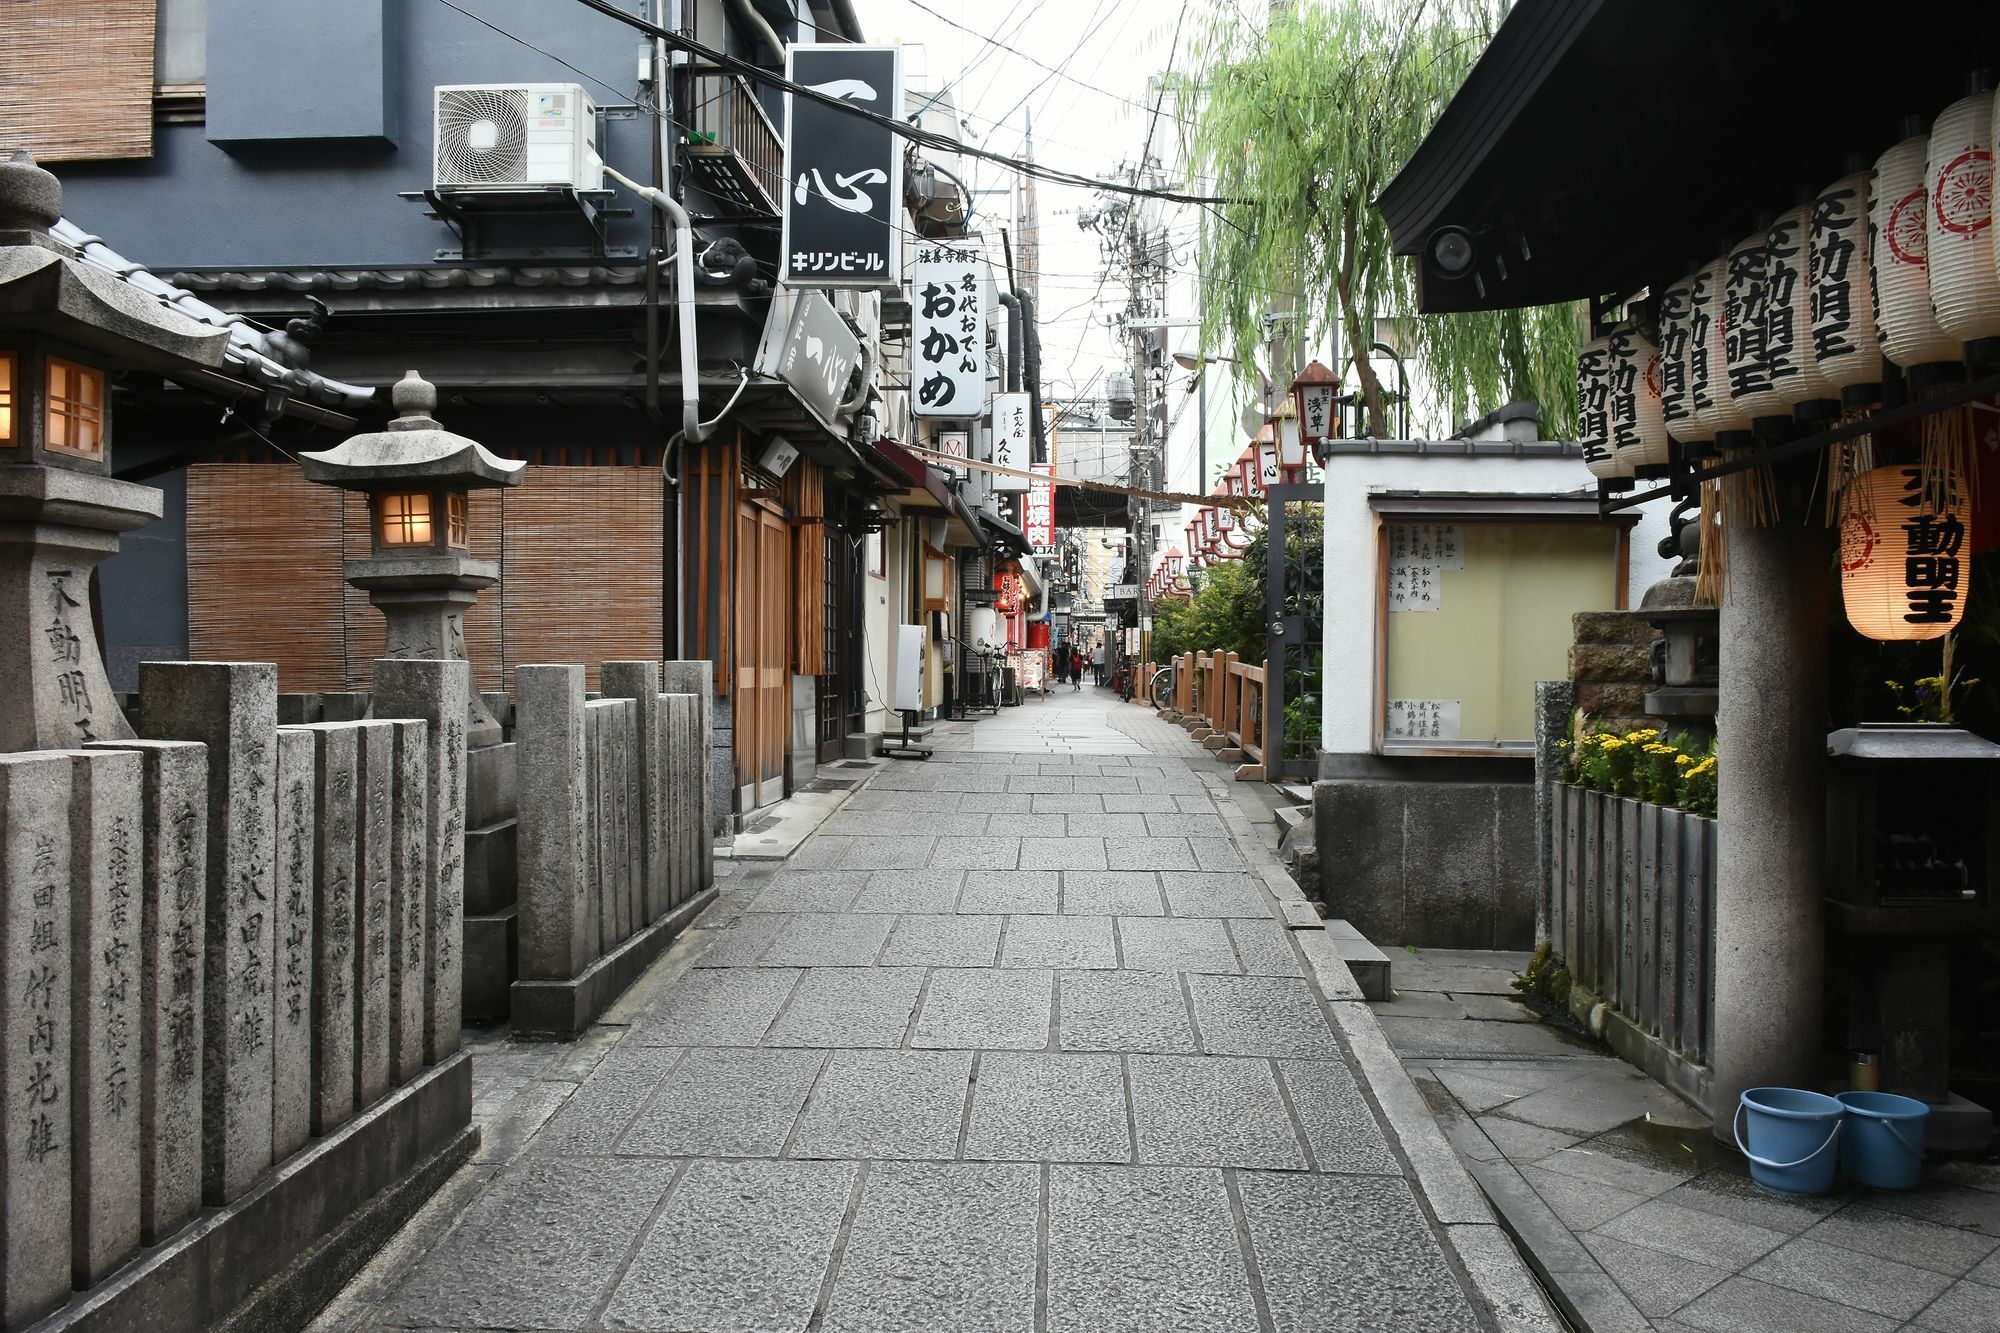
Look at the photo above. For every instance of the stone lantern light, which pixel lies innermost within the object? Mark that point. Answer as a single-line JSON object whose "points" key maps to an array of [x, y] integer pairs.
{"points": [[66, 328], [419, 572]]}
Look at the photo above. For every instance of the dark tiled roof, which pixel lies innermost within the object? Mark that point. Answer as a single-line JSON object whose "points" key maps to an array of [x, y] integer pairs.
{"points": [[408, 279]]}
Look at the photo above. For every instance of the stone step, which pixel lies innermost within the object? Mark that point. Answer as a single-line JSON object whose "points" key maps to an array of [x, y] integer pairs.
{"points": [[491, 958], [1369, 964]]}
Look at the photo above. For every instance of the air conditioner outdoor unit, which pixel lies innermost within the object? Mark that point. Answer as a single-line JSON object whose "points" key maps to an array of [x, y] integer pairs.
{"points": [[515, 136]]}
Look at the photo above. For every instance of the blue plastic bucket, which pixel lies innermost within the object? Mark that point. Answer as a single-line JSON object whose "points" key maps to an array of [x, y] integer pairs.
{"points": [[1883, 1142], [1794, 1136]]}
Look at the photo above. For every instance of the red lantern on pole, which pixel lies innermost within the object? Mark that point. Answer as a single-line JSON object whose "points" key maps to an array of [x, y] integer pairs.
{"points": [[1312, 399]]}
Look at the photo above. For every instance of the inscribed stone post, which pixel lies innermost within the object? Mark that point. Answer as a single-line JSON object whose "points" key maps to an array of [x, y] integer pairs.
{"points": [[336, 757], [233, 708], [173, 872], [684, 793], [666, 760], [603, 824], [640, 681], [105, 852], [408, 944], [291, 1054], [35, 1027], [557, 927], [631, 915], [697, 677], [437, 691], [375, 862]]}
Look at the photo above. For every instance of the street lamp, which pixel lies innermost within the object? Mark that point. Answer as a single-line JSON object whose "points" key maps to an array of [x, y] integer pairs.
{"points": [[1197, 363]]}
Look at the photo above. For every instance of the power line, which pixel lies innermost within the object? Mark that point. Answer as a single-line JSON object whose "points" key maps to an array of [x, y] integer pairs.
{"points": [[900, 128]]}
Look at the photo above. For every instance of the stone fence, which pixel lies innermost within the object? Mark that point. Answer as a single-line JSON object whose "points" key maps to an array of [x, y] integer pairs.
{"points": [[231, 1007], [614, 847]]}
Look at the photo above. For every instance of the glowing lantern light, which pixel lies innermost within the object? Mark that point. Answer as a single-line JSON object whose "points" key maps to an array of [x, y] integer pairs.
{"points": [[1682, 325], [1843, 293], [1788, 351], [1905, 553], [1898, 262], [1958, 225], [1637, 430]]}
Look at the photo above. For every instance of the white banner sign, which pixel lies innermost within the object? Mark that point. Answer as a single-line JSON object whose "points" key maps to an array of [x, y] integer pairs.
{"points": [[948, 337], [1013, 440]]}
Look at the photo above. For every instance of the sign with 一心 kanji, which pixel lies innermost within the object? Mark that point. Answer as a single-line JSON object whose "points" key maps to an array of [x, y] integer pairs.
{"points": [[843, 172], [948, 333], [1013, 440]]}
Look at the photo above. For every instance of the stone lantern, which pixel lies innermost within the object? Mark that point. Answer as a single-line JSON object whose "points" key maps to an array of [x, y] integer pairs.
{"points": [[66, 328], [419, 571]]}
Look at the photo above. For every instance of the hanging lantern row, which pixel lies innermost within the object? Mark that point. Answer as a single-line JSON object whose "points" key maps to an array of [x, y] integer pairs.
{"points": [[1793, 322]]}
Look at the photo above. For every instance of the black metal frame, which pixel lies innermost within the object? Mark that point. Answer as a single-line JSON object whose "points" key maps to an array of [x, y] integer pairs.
{"points": [[1287, 630]]}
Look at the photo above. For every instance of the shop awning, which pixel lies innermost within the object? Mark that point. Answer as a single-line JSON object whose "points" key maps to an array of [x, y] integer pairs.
{"points": [[925, 487], [1005, 537], [1598, 147]]}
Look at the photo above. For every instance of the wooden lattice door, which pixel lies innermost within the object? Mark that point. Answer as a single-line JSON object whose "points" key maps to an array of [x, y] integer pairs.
{"points": [[763, 696]]}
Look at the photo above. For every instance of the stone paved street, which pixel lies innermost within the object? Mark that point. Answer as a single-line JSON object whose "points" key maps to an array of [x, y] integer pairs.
{"points": [[1016, 1041]]}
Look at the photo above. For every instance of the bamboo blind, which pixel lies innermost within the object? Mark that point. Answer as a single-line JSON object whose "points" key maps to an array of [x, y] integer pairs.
{"points": [[264, 585], [809, 570], [579, 551], [79, 78]]}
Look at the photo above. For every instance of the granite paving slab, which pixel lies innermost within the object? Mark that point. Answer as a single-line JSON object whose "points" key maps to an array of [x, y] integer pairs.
{"points": [[1259, 1016], [1265, 948], [1144, 1248], [886, 1104], [1340, 1127], [1059, 941], [1010, 891], [927, 890], [726, 1102], [849, 1006], [1123, 1011], [986, 853], [943, 941], [986, 1009], [1204, 1110], [1112, 893], [719, 1007], [1201, 893], [1157, 944], [1048, 1108]]}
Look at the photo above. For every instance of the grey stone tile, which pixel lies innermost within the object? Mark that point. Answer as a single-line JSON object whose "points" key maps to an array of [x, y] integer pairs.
{"points": [[940, 1246], [598, 1112], [828, 939], [1265, 948], [1349, 1253], [1496, 1009], [1259, 1016], [1123, 1011], [929, 890], [1112, 783], [725, 1102], [1218, 854], [821, 851], [1658, 1283], [886, 1104], [1493, 1262], [1009, 891], [943, 941], [1719, 1241], [1002, 803], [1460, 1038], [1062, 854], [1121, 1239], [952, 822], [1904, 1239], [1058, 941], [1340, 1127], [895, 853], [1204, 1110], [741, 1247], [1588, 1161], [1048, 1108], [718, 1007], [1136, 804], [1105, 826], [1947, 1205], [1968, 1307], [1481, 1088], [1036, 784], [982, 781], [1210, 894], [1180, 824], [1741, 1305], [1148, 853], [1067, 805], [849, 1006], [913, 801], [986, 1009], [1111, 893], [1158, 944], [1520, 1143], [1602, 1099], [806, 891], [537, 1249], [1580, 1204], [739, 944], [988, 853], [1847, 1277]]}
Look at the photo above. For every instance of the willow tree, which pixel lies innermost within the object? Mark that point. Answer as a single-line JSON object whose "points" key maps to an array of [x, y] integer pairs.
{"points": [[1303, 125]]}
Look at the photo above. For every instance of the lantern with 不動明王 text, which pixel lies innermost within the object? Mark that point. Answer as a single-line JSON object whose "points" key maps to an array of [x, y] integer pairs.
{"points": [[1593, 411], [1905, 552], [1899, 265], [1788, 341], [1843, 294], [1683, 320], [1740, 311], [1638, 432], [1958, 176], [1708, 364]]}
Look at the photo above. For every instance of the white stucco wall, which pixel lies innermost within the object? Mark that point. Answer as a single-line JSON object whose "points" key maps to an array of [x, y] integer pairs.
{"points": [[1347, 707]]}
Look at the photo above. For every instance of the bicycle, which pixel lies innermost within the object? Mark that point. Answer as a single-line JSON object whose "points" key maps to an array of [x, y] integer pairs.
{"points": [[1160, 691]]}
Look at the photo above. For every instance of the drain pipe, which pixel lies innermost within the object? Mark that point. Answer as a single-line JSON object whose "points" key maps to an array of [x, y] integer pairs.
{"points": [[692, 426], [759, 25]]}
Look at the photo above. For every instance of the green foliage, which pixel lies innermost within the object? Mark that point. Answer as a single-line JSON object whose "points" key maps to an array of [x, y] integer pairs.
{"points": [[1644, 765], [1545, 978], [1304, 125], [1220, 617]]}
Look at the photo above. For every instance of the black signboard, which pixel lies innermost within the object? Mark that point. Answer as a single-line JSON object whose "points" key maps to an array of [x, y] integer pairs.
{"points": [[843, 172]]}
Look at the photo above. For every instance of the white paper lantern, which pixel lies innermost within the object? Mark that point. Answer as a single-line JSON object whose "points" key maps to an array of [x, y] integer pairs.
{"points": [[1843, 294], [1899, 243], [1680, 336], [1708, 378], [1905, 553], [1958, 175], [1788, 352], [1746, 366], [1638, 432], [1593, 410]]}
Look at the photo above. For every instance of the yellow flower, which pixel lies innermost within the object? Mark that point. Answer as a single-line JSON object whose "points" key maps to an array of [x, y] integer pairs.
{"points": [[1643, 734], [1683, 760], [1657, 748]]}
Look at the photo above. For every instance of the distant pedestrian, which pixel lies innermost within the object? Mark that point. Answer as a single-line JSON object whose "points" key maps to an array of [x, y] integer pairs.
{"points": [[1076, 668], [1062, 663], [1097, 665]]}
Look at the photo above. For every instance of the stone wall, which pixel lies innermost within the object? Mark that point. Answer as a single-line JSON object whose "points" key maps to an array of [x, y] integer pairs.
{"points": [[615, 853], [219, 954], [1611, 665]]}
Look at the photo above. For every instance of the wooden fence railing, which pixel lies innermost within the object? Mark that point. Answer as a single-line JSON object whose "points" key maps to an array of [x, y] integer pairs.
{"points": [[1220, 700]]}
